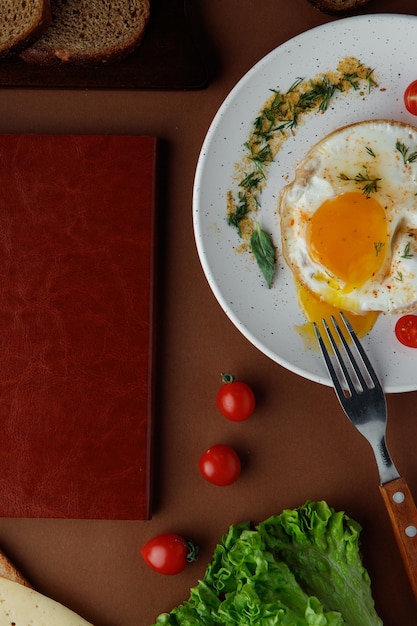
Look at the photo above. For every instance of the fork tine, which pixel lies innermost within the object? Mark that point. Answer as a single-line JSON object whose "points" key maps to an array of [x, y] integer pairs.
{"points": [[326, 356], [340, 360], [343, 381], [362, 353], [353, 362]]}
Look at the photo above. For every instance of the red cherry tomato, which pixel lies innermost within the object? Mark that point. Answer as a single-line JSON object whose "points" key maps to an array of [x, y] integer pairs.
{"points": [[220, 465], [235, 399], [168, 553], [410, 98], [406, 330]]}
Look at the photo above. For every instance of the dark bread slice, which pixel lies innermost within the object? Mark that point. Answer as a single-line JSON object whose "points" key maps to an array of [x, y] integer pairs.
{"points": [[90, 32], [22, 22], [338, 7]]}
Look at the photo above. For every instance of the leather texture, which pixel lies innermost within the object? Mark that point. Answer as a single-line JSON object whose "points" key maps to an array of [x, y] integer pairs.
{"points": [[76, 325]]}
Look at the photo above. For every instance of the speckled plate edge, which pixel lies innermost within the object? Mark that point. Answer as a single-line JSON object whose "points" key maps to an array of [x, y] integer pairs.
{"points": [[268, 317]]}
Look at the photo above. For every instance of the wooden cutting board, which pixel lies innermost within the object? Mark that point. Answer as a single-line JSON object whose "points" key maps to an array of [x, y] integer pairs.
{"points": [[167, 58], [77, 253]]}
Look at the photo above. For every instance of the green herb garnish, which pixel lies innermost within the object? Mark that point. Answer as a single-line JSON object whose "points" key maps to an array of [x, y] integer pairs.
{"points": [[371, 184], [260, 159], [295, 84], [406, 254], [250, 181], [354, 80], [369, 77], [404, 151], [240, 212], [378, 245], [276, 121], [264, 252]]}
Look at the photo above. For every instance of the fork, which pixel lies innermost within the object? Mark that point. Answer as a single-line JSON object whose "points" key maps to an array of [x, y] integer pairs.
{"points": [[363, 400]]}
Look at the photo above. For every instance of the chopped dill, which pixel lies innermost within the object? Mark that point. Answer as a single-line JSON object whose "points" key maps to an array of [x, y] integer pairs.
{"points": [[353, 80], [404, 151], [371, 184], [378, 245], [295, 84], [260, 158], [276, 121], [241, 210], [251, 180], [406, 254], [370, 79]]}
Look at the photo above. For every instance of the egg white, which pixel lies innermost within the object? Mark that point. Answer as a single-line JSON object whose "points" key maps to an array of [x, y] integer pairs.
{"points": [[367, 146]]}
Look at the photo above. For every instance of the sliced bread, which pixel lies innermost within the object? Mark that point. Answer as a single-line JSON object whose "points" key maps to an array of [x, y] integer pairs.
{"points": [[90, 31], [21, 23], [9, 571], [338, 7]]}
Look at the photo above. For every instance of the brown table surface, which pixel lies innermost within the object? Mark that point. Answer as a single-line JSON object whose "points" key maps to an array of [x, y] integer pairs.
{"points": [[299, 445]]}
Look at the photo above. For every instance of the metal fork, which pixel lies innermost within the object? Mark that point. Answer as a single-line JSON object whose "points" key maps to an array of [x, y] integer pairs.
{"points": [[363, 400]]}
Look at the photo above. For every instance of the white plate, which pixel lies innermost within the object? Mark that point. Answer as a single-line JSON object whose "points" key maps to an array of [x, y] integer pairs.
{"points": [[267, 317]]}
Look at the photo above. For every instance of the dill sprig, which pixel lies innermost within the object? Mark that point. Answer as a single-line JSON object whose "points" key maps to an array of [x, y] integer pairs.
{"points": [[378, 245], [288, 124], [250, 181], [353, 79], [406, 253], [295, 84], [371, 184], [241, 210], [404, 151], [369, 77], [260, 158], [325, 90]]}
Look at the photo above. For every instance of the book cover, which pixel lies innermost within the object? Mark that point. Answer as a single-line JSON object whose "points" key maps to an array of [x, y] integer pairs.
{"points": [[77, 254]]}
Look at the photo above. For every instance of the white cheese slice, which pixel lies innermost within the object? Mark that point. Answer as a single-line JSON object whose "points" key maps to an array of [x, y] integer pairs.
{"points": [[20, 606]]}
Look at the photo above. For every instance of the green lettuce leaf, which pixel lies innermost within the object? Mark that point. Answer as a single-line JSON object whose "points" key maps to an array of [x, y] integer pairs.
{"points": [[300, 568], [321, 547]]}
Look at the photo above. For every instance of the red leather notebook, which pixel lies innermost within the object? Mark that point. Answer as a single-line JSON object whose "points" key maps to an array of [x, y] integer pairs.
{"points": [[76, 325]]}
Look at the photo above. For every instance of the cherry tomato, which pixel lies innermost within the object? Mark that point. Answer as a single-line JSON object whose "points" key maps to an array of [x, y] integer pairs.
{"points": [[235, 399], [168, 553], [220, 465], [410, 98], [406, 330]]}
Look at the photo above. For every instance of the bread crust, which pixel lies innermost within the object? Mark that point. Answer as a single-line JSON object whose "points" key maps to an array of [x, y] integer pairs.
{"points": [[9, 571], [57, 49], [30, 32], [338, 7]]}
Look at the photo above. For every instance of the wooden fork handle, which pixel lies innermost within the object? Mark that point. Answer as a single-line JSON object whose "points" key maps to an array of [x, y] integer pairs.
{"points": [[402, 512]]}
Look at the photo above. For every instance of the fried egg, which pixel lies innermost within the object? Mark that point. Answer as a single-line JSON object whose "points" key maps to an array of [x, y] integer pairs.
{"points": [[349, 221]]}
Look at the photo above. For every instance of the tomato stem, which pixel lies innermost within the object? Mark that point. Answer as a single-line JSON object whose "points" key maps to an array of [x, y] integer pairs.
{"points": [[192, 552], [227, 378]]}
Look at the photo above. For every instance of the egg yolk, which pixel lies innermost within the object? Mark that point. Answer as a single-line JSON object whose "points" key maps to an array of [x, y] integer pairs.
{"points": [[348, 236], [315, 310]]}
